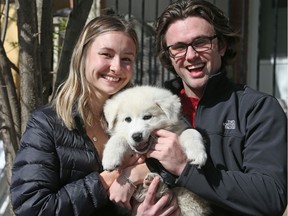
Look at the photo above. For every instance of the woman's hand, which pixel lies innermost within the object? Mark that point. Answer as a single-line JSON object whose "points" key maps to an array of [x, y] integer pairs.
{"points": [[122, 189], [168, 151], [166, 205]]}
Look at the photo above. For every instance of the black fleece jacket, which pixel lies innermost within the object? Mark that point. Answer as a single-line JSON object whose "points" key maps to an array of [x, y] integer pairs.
{"points": [[246, 139]]}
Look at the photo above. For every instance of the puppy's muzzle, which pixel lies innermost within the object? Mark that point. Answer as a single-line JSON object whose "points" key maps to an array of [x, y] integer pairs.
{"points": [[142, 146], [137, 137]]}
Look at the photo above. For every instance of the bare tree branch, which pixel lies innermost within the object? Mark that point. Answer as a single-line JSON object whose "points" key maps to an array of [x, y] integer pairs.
{"points": [[46, 46], [9, 106], [29, 59]]}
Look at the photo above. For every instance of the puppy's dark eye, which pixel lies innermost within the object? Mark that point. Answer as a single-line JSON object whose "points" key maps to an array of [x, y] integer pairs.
{"points": [[128, 119], [146, 117]]}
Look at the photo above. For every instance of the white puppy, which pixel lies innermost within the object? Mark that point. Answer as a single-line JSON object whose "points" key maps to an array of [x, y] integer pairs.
{"points": [[132, 116]]}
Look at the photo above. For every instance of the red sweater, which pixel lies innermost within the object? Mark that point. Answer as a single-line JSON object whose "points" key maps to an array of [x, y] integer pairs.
{"points": [[189, 107]]}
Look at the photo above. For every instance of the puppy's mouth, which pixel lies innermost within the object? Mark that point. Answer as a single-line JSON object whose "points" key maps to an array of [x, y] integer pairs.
{"points": [[144, 147]]}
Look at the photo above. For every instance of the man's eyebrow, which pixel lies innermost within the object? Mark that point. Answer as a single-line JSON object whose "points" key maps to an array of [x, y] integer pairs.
{"points": [[193, 39]]}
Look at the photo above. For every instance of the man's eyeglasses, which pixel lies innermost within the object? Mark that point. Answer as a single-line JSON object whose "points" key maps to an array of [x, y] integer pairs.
{"points": [[200, 44]]}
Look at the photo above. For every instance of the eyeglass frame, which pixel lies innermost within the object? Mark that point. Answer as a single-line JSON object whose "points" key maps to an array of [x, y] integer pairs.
{"points": [[211, 38]]}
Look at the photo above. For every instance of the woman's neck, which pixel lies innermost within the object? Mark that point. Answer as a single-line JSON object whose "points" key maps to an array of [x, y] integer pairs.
{"points": [[96, 104]]}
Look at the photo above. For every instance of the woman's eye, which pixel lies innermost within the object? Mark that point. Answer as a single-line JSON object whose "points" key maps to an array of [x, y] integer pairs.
{"points": [[107, 55], [127, 60]]}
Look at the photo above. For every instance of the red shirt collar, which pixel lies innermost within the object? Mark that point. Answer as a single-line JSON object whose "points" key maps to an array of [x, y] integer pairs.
{"points": [[189, 107]]}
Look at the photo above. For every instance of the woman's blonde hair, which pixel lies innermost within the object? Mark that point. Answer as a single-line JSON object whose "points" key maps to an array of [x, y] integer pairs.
{"points": [[73, 95]]}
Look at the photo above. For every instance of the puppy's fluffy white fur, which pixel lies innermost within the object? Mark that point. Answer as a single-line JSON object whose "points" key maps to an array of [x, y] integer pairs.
{"points": [[132, 116]]}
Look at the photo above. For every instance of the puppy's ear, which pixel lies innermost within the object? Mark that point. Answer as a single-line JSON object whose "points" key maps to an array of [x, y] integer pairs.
{"points": [[110, 112], [170, 105]]}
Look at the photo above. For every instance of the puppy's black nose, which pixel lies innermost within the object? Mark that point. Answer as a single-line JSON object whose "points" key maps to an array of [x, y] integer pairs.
{"points": [[137, 137]]}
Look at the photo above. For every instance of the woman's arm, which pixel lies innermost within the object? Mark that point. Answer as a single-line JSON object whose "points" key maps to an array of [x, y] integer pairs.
{"points": [[107, 178]]}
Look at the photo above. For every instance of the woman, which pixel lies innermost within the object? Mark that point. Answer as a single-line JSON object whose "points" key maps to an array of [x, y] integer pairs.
{"points": [[58, 170]]}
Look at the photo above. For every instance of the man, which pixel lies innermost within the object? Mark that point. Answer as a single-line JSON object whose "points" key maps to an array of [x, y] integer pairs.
{"points": [[245, 130]]}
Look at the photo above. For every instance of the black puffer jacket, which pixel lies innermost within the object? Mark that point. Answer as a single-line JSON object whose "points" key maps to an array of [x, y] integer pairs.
{"points": [[56, 171]]}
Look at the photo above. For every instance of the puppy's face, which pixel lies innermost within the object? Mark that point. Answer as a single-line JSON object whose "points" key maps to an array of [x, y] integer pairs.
{"points": [[138, 123], [136, 113]]}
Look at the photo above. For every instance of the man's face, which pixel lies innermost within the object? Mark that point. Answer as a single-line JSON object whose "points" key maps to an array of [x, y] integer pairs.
{"points": [[194, 67]]}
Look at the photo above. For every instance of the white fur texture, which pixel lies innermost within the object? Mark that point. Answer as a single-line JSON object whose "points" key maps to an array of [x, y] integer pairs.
{"points": [[132, 116]]}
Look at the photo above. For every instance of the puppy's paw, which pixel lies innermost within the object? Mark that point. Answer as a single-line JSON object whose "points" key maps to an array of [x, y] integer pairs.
{"points": [[114, 152], [197, 158], [162, 187], [194, 147], [140, 194], [110, 164], [149, 178]]}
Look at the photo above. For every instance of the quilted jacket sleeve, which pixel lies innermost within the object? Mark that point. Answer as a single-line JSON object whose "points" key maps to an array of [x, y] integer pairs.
{"points": [[37, 185]]}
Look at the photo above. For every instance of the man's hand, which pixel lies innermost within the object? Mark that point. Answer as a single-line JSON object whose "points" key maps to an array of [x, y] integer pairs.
{"points": [[165, 206], [168, 151]]}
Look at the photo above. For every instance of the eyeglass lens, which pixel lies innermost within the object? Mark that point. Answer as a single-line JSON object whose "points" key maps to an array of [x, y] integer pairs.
{"points": [[200, 44]]}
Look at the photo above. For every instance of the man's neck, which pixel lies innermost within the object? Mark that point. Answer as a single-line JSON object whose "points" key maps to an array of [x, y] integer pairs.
{"points": [[195, 93]]}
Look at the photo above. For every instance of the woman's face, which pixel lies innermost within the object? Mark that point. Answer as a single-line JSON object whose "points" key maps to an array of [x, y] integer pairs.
{"points": [[109, 62]]}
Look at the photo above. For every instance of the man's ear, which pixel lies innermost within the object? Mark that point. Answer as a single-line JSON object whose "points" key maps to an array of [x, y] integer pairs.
{"points": [[222, 46]]}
